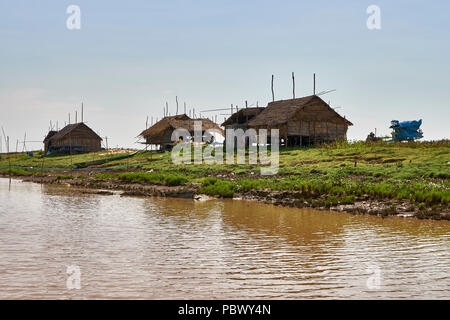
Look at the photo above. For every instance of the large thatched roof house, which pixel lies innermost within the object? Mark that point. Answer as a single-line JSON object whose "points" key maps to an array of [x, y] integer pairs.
{"points": [[160, 134], [302, 121], [77, 137]]}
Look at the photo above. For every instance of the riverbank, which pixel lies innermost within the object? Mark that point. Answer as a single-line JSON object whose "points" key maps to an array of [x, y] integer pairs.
{"points": [[411, 180]]}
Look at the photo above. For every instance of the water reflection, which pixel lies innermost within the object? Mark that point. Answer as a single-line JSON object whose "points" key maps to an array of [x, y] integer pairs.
{"points": [[172, 248]]}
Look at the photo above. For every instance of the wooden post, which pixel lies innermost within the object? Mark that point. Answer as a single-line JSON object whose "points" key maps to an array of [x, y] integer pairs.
{"points": [[246, 105], [314, 84], [76, 117], [309, 131], [273, 94], [185, 108], [293, 86], [176, 100], [314, 122], [24, 145], [328, 134], [70, 149]]}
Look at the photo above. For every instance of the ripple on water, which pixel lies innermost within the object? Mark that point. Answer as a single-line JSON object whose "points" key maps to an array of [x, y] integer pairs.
{"points": [[139, 248]]}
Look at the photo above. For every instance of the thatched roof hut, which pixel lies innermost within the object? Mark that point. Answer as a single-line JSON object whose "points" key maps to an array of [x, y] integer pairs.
{"points": [[161, 132], [302, 121], [241, 118], [76, 137]]}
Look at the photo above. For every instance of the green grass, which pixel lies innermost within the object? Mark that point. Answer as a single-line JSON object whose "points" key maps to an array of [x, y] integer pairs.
{"points": [[17, 172], [418, 172], [64, 177], [161, 178], [216, 187]]}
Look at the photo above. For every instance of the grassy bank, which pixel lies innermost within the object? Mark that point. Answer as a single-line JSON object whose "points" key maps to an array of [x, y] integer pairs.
{"points": [[328, 175]]}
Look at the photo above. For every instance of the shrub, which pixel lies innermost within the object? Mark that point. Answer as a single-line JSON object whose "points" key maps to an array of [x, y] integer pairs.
{"points": [[221, 188], [173, 180], [64, 177]]}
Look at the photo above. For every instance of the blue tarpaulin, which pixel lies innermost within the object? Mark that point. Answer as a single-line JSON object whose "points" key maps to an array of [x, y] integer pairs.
{"points": [[406, 130]]}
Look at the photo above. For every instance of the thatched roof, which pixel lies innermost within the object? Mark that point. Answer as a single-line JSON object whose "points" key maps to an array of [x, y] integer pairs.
{"points": [[162, 125], [189, 124], [280, 112], [81, 127], [176, 122], [242, 113], [49, 135]]}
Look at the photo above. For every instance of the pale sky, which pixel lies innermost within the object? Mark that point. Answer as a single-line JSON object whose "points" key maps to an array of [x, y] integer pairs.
{"points": [[130, 57]]}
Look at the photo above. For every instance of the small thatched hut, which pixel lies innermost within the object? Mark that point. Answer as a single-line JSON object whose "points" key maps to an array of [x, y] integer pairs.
{"points": [[77, 137], [160, 134], [302, 121]]}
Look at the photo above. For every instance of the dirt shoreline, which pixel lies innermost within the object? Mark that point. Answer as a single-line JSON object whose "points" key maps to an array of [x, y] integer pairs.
{"points": [[363, 205]]}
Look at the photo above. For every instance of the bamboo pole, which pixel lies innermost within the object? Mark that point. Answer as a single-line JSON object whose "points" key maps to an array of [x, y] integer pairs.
{"points": [[273, 94], [24, 140], [314, 84], [70, 149], [293, 85]]}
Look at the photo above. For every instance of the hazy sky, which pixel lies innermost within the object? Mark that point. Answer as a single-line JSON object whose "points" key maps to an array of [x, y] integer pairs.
{"points": [[129, 57]]}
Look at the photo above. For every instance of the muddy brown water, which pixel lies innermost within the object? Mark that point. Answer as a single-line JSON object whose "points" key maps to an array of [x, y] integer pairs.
{"points": [[161, 248]]}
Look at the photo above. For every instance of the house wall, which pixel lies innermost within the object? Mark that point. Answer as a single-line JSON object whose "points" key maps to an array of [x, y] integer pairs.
{"points": [[87, 144], [324, 130], [318, 123]]}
